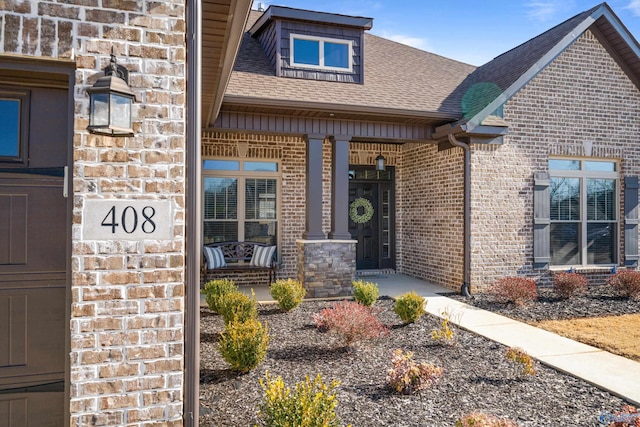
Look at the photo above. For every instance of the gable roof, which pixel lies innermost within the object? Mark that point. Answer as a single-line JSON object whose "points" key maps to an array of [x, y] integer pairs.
{"points": [[413, 86], [399, 81], [494, 83]]}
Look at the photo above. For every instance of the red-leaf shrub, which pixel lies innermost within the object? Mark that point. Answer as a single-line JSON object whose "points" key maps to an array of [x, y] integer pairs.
{"points": [[518, 290], [480, 419], [351, 321], [407, 377], [627, 417], [626, 283], [566, 285]]}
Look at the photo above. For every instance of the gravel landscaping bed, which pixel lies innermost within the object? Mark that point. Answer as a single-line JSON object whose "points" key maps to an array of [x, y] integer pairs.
{"points": [[598, 301], [477, 376]]}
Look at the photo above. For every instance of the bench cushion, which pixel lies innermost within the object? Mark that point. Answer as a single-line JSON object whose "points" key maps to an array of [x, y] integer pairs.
{"points": [[262, 256], [214, 257]]}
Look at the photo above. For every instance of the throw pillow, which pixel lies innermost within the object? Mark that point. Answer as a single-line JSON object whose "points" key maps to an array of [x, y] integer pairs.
{"points": [[214, 257], [262, 256]]}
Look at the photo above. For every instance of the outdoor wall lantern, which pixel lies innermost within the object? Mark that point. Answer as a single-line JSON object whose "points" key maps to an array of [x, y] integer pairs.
{"points": [[380, 162], [110, 100]]}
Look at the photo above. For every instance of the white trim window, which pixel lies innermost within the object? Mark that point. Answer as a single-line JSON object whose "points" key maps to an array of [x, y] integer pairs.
{"points": [[321, 53], [240, 201], [584, 212]]}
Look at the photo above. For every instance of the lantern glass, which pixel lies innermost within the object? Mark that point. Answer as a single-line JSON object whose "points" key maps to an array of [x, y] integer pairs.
{"points": [[99, 109], [121, 111], [380, 163]]}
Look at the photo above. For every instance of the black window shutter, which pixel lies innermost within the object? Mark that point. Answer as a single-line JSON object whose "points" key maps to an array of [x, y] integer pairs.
{"points": [[541, 221], [631, 221]]}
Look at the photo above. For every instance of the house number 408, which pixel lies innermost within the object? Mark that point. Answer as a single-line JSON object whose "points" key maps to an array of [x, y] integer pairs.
{"points": [[130, 218]]}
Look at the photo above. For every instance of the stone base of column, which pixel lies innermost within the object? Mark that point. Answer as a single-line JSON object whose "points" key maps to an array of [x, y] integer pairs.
{"points": [[326, 267]]}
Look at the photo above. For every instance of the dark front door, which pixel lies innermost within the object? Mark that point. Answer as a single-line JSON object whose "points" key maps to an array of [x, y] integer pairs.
{"points": [[371, 217], [33, 255]]}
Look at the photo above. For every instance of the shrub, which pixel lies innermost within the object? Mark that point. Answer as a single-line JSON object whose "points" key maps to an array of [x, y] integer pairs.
{"points": [[409, 307], [407, 377], [626, 283], [365, 293], [237, 306], [627, 417], [215, 289], [243, 345], [518, 290], [351, 321], [310, 404], [480, 419], [289, 293], [444, 333], [568, 284], [522, 360]]}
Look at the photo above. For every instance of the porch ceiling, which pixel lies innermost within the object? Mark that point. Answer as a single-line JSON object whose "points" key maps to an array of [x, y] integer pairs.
{"points": [[223, 24]]}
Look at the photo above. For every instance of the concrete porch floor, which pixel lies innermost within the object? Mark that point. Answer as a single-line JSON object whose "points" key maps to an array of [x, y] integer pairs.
{"points": [[616, 374]]}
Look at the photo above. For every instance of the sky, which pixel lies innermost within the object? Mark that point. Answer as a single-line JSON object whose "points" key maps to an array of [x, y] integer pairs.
{"points": [[470, 31]]}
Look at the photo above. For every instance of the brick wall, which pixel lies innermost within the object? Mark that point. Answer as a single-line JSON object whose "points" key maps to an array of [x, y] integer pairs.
{"points": [[127, 321], [583, 95], [429, 206]]}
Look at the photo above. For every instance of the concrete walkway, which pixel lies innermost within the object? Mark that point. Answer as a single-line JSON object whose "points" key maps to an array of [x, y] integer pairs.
{"points": [[615, 374]]}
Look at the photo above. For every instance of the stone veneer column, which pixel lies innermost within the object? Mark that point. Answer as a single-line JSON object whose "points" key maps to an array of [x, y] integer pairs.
{"points": [[326, 267]]}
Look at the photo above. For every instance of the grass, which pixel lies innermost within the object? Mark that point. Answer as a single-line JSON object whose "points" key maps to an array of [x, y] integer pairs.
{"points": [[616, 334]]}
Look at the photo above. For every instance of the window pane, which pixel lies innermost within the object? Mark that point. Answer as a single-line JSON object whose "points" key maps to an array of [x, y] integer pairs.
{"points": [[261, 166], [601, 199], [599, 166], [572, 165], [260, 202], [220, 198], [217, 231], [9, 127], [263, 231], [565, 199], [336, 55], [306, 51], [565, 244], [601, 243], [221, 165]]}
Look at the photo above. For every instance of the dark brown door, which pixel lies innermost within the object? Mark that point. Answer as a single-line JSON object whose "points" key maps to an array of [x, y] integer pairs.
{"points": [[371, 217], [33, 256]]}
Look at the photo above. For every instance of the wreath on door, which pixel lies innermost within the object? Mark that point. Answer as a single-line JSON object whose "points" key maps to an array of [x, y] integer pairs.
{"points": [[354, 210]]}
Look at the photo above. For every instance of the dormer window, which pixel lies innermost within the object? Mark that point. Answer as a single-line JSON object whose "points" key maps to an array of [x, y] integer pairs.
{"points": [[321, 53]]}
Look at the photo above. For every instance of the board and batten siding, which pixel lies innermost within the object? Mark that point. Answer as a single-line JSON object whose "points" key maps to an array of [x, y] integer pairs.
{"points": [[344, 33]]}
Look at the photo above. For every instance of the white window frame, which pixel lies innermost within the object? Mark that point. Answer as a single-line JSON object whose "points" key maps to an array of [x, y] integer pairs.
{"points": [[241, 175], [583, 175], [321, 41]]}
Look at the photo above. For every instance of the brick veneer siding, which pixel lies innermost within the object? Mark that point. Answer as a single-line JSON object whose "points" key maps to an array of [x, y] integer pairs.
{"points": [[127, 321], [429, 206], [583, 95]]}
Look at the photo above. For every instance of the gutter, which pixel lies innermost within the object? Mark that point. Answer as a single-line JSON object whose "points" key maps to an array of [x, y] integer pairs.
{"points": [[465, 288]]}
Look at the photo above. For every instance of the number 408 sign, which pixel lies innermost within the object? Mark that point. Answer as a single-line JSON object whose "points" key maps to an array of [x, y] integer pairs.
{"points": [[127, 220]]}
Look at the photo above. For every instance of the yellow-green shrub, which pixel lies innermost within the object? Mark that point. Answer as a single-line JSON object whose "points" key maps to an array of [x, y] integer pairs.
{"points": [[237, 306], [409, 307], [523, 362], [214, 289], [310, 404], [243, 345], [365, 292], [288, 292]]}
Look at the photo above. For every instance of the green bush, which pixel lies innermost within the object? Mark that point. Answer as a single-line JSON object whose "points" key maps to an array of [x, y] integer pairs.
{"points": [[365, 292], [243, 345], [289, 293], [310, 404], [215, 289], [409, 307], [237, 306]]}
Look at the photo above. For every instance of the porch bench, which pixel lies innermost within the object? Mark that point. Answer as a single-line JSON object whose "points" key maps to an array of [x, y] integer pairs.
{"points": [[239, 256]]}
